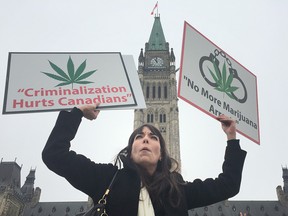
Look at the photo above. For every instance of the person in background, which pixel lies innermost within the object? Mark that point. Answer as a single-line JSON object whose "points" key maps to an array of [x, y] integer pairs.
{"points": [[148, 182]]}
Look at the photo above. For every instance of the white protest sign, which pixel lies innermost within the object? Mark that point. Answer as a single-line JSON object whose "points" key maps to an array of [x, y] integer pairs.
{"points": [[38, 82], [215, 83]]}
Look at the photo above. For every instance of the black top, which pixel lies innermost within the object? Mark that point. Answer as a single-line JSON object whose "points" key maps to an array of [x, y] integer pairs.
{"points": [[93, 178]]}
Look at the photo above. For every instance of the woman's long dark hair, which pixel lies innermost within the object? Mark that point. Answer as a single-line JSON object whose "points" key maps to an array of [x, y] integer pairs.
{"points": [[165, 179]]}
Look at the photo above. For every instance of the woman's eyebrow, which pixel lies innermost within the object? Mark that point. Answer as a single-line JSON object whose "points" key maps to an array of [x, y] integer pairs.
{"points": [[151, 133], [140, 133]]}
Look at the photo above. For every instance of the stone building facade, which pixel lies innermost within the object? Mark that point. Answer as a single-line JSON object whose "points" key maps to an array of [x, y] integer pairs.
{"points": [[14, 198]]}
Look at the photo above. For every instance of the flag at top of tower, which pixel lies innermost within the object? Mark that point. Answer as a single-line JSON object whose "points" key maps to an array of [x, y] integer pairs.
{"points": [[156, 6]]}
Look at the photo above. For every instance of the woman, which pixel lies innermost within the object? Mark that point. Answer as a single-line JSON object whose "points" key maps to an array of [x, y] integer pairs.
{"points": [[148, 184]]}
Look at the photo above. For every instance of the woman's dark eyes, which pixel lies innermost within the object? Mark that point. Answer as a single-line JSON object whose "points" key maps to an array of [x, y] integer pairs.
{"points": [[154, 137], [140, 136]]}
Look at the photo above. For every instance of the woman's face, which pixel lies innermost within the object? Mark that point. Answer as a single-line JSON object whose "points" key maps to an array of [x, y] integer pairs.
{"points": [[146, 150]]}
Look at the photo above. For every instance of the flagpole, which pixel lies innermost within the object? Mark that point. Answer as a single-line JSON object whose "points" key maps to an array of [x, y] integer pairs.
{"points": [[157, 9]]}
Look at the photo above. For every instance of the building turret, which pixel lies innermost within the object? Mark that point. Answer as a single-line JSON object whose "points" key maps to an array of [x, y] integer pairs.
{"points": [[10, 174], [11, 198], [285, 180], [28, 188], [282, 194]]}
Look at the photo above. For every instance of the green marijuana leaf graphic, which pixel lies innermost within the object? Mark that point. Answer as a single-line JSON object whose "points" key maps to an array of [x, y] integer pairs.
{"points": [[71, 76], [223, 82]]}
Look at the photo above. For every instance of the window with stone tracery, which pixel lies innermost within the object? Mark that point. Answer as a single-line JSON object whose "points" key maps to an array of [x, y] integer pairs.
{"points": [[150, 117], [162, 116], [165, 92], [147, 91]]}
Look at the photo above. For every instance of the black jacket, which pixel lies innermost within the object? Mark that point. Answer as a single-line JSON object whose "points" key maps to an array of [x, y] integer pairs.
{"points": [[93, 178]]}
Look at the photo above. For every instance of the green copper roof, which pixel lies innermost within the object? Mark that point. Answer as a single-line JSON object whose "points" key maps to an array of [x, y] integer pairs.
{"points": [[157, 39]]}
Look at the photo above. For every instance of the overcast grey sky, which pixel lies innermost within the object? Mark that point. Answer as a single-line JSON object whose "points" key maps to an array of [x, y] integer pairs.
{"points": [[254, 33]]}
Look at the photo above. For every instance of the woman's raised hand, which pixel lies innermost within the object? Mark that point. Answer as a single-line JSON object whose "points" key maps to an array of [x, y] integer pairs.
{"points": [[90, 111], [228, 126]]}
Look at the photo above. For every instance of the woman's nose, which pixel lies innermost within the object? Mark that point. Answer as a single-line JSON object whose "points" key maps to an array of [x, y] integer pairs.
{"points": [[145, 140]]}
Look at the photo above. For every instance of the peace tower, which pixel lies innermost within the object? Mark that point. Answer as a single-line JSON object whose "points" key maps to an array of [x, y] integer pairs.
{"points": [[157, 74]]}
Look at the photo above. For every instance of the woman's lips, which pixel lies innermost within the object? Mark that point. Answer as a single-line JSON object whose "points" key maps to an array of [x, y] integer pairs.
{"points": [[145, 149]]}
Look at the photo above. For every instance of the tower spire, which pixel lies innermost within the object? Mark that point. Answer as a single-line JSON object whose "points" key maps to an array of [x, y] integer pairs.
{"points": [[157, 39]]}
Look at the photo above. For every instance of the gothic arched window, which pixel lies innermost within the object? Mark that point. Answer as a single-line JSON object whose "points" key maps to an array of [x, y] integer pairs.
{"points": [[150, 117], [159, 91], [162, 116], [165, 92], [147, 91]]}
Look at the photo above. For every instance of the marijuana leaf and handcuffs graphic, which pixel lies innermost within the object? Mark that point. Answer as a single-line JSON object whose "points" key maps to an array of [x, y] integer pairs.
{"points": [[220, 79]]}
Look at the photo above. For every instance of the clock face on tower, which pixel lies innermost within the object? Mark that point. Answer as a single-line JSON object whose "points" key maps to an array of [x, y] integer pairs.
{"points": [[157, 62]]}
